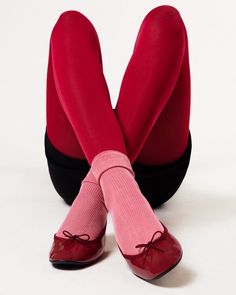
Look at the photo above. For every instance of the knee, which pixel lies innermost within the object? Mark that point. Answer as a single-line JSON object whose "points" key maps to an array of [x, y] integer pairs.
{"points": [[71, 19], [69, 15], [164, 9], [166, 19]]}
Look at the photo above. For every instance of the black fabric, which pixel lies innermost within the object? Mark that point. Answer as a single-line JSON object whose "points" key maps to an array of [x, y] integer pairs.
{"points": [[157, 183]]}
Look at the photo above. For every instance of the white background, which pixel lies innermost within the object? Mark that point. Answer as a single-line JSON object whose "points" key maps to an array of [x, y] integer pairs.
{"points": [[201, 214]]}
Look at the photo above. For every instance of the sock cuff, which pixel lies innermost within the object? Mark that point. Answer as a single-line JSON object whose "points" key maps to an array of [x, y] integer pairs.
{"points": [[108, 159], [90, 177]]}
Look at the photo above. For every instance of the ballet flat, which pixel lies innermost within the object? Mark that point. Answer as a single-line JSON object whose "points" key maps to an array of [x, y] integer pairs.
{"points": [[76, 250], [158, 257]]}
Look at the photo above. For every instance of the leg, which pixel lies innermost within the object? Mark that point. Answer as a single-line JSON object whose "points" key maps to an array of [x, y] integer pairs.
{"points": [[89, 208], [155, 79], [154, 100]]}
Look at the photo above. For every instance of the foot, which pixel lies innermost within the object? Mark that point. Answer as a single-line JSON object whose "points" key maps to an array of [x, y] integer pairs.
{"points": [[133, 218], [88, 213], [80, 238]]}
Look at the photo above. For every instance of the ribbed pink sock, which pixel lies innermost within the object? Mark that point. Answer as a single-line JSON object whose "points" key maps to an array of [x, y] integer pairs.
{"points": [[133, 218], [88, 213]]}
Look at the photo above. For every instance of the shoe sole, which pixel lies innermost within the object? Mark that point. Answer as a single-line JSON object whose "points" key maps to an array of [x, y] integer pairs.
{"points": [[163, 273], [72, 264]]}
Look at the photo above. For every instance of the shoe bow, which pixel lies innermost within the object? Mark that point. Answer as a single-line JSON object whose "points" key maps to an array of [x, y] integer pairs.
{"points": [[152, 243], [78, 238]]}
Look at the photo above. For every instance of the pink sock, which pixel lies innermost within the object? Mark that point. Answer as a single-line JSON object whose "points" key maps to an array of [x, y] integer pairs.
{"points": [[133, 218], [87, 214]]}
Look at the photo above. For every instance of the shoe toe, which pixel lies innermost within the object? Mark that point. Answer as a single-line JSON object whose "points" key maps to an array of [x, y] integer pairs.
{"points": [[74, 251]]}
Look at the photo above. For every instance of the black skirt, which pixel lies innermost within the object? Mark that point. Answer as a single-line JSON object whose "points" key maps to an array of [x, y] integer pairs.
{"points": [[158, 183]]}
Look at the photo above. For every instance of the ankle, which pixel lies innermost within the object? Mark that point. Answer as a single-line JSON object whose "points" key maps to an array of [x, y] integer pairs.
{"points": [[108, 159]]}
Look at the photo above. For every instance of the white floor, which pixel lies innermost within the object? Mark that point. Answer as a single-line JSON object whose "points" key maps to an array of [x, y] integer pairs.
{"points": [[201, 215]]}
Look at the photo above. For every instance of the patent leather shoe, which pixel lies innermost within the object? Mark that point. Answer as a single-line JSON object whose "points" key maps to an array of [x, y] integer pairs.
{"points": [[76, 250], [161, 254]]}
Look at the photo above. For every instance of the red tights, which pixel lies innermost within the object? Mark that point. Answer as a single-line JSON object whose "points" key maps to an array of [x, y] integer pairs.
{"points": [[150, 123]]}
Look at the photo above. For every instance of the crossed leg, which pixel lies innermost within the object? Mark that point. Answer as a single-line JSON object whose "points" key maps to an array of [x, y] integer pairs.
{"points": [[152, 112], [153, 107]]}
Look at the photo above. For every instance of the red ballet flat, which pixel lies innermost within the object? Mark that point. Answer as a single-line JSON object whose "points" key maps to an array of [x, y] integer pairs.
{"points": [[159, 256], [76, 250]]}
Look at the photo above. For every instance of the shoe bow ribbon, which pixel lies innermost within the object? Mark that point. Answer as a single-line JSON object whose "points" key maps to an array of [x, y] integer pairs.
{"points": [[152, 243], [78, 238]]}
